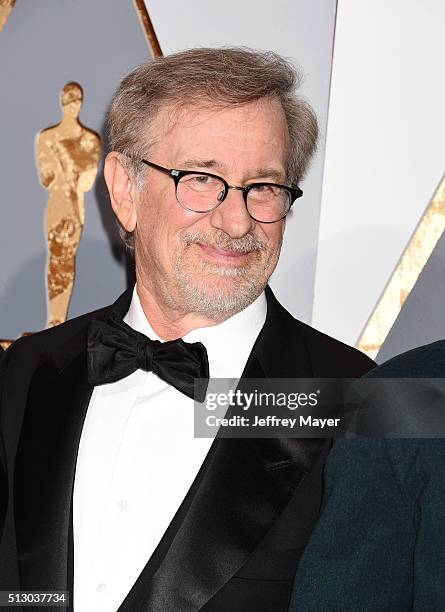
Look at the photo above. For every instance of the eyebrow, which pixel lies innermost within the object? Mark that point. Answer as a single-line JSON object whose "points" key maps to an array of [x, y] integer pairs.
{"points": [[275, 174], [213, 164], [202, 163]]}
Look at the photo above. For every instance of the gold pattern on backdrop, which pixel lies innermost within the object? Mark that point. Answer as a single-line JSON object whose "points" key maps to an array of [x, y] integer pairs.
{"points": [[68, 156], [408, 270], [148, 28], [6, 7]]}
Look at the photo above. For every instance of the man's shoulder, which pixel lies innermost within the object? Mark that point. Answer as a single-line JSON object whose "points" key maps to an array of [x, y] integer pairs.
{"points": [[29, 348], [421, 362], [334, 356], [329, 357]]}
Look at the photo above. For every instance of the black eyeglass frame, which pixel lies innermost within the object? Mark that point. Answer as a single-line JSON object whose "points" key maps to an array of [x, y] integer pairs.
{"points": [[177, 175]]}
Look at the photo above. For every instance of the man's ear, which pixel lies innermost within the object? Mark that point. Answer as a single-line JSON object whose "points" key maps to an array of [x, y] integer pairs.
{"points": [[121, 189]]}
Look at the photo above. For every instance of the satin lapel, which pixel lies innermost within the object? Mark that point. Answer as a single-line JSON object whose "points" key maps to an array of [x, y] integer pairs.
{"points": [[244, 486], [44, 476]]}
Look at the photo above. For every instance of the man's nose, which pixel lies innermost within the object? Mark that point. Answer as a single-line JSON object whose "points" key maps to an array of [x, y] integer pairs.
{"points": [[231, 215]]}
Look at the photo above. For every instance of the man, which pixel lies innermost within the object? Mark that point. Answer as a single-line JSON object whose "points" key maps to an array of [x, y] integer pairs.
{"points": [[110, 495], [379, 544]]}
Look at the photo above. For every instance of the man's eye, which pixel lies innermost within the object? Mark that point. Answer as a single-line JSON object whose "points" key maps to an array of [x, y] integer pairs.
{"points": [[201, 181], [263, 189]]}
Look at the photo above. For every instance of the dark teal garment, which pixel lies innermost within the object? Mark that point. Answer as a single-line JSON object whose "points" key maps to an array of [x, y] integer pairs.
{"points": [[379, 544]]}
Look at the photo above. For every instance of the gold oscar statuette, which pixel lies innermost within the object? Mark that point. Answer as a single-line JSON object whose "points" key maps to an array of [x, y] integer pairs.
{"points": [[68, 157], [6, 7]]}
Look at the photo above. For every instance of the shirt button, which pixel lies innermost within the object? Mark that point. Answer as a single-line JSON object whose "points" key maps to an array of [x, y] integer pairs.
{"points": [[101, 588], [122, 504]]}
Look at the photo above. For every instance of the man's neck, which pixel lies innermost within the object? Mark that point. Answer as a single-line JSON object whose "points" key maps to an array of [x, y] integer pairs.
{"points": [[169, 324]]}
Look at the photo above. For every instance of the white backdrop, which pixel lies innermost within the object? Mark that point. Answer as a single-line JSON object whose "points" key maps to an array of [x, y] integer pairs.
{"points": [[385, 151]]}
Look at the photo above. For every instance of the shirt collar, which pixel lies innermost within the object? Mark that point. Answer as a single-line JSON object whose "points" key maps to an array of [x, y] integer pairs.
{"points": [[228, 344]]}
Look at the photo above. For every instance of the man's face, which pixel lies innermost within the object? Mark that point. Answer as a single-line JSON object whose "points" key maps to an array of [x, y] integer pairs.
{"points": [[212, 264]]}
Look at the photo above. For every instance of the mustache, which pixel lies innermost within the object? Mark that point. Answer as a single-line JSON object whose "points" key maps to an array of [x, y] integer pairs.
{"points": [[221, 240]]}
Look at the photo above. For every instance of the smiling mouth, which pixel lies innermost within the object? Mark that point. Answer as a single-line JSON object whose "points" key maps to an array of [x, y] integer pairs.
{"points": [[223, 255]]}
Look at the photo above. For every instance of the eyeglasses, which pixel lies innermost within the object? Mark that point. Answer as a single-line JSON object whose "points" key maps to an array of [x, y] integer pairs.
{"points": [[202, 192]]}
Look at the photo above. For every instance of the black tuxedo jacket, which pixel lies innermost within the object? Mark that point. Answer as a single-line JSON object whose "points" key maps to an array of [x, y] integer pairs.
{"points": [[236, 539]]}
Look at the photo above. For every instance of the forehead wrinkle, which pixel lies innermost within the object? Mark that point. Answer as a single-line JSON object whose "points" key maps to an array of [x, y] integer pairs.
{"points": [[172, 117], [186, 115]]}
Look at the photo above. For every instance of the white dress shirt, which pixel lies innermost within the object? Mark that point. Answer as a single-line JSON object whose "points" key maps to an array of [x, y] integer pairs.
{"points": [[138, 458]]}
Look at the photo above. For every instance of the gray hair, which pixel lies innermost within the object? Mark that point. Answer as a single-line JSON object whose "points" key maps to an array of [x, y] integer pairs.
{"points": [[208, 76]]}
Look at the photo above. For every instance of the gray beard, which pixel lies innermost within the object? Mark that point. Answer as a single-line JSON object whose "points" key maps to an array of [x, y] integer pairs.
{"points": [[220, 303]]}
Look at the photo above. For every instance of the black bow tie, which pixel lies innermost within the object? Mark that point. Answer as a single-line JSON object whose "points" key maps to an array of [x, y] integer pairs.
{"points": [[115, 351]]}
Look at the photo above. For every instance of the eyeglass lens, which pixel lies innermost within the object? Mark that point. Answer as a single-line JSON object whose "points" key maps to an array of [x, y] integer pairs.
{"points": [[202, 193]]}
